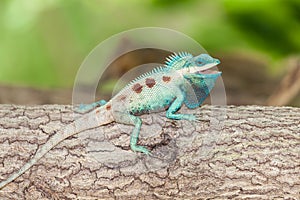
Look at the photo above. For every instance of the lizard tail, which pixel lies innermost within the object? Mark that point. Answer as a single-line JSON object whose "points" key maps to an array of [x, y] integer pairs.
{"points": [[54, 140], [84, 123]]}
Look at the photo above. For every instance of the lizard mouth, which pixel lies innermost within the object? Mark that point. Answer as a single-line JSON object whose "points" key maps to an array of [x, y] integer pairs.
{"points": [[208, 71]]}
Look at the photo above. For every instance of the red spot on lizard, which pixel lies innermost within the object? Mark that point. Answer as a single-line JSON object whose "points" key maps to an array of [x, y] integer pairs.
{"points": [[108, 107], [166, 78], [150, 82], [137, 88]]}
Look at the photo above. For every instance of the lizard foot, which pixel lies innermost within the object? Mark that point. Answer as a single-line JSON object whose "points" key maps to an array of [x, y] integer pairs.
{"points": [[140, 149], [84, 108]]}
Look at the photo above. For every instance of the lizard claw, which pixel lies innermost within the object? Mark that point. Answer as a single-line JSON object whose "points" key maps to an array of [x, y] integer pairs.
{"points": [[199, 119]]}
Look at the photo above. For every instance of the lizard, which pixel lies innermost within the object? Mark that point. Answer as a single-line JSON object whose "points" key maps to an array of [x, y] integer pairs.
{"points": [[183, 79]]}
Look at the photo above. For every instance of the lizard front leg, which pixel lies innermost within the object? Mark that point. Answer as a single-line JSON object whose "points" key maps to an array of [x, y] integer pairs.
{"points": [[126, 118], [175, 106]]}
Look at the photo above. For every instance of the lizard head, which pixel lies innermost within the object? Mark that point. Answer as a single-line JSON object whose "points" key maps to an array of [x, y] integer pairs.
{"points": [[202, 65], [204, 59], [186, 63], [198, 73]]}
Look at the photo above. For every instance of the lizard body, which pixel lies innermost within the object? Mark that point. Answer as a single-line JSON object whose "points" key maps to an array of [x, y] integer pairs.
{"points": [[184, 79]]}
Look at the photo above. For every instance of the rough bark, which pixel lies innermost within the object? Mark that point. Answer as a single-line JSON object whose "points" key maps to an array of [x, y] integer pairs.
{"points": [[247, 152]]}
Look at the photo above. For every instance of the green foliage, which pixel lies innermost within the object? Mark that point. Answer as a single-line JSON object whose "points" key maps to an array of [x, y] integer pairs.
{"points": [[268, 24], [170, 3], [44, 42]]}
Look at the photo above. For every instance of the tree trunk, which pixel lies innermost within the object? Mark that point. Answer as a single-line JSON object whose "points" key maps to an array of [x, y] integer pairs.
{"points": [[248, 152]]}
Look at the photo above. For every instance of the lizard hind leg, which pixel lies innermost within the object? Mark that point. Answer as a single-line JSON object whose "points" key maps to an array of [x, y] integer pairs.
{"points": [[126, 118], [84, 108]]}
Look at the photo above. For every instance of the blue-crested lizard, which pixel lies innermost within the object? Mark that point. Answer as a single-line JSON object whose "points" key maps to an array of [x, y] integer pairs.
{"points": [[184, 79]]}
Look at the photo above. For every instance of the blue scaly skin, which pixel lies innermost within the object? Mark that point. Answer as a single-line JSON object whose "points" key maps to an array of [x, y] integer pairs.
{"points": [[184, 79]]}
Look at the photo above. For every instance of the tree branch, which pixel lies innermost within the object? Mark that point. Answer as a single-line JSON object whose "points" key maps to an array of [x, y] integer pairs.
{"points": [[248, 152]]}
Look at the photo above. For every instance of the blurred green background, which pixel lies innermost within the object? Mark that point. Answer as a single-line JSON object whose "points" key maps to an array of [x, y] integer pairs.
{"points": [[44, 42]]}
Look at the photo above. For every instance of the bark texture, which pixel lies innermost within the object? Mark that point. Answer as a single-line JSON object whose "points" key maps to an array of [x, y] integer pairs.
{"points": [[248, 152]]}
